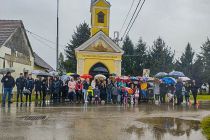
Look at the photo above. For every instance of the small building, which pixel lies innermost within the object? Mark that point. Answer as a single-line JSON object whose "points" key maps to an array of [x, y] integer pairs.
{"points": [[100, 54], [16, 51], [15, 48], [40, 64]]}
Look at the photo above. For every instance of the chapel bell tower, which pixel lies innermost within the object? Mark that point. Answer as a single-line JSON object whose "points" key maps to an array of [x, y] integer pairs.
{"points": [[100, 16]]}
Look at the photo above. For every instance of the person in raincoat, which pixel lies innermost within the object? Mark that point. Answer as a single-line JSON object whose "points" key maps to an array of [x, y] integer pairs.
{"points": [[110, 86]]}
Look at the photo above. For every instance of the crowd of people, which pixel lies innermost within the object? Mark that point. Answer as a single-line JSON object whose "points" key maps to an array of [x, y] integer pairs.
{"points": [[110, 90]]}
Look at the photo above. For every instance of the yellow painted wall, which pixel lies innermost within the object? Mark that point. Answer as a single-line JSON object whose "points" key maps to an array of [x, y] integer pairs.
{"points": [[100, 6], [90, 59], [39, 68]]}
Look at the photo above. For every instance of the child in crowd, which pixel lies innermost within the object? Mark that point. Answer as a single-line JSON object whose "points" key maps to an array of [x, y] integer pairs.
{"points": [[90, 93], [97, 95]]}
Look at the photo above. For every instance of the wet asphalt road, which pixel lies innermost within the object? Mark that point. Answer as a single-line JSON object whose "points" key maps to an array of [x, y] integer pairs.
{"points": [[102, 122]]}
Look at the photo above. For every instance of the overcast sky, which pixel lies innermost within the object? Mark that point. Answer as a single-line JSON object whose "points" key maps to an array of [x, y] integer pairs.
{"points": [[176, 21]]}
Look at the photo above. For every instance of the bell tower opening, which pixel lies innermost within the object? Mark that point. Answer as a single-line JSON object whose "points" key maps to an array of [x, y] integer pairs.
{"points": [[100, 16]]}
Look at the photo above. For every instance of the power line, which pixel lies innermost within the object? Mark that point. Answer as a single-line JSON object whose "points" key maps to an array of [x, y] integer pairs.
{"points": [[132, 18], [43, 38], [136, 17], [42, 42], [127, 16]]}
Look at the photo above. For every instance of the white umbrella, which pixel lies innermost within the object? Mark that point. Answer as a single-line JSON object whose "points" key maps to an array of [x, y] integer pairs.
{"points": [[184, 79], [54, 73], [5, 70], [100, 76]]}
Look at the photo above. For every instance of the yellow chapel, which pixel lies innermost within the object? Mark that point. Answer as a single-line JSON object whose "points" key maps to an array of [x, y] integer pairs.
{"points": [[100, 54]]}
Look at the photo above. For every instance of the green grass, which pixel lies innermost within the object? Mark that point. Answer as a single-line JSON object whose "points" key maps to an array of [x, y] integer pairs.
{"points": [[205, 125], [201, 97]]}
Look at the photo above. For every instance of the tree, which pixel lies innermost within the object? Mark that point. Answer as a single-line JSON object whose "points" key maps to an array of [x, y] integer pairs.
{"points": [[81, 35], [160, 57], [186, 60], [127, 59], [205, 57], [197, 70], [140, 57], [61, 65]]}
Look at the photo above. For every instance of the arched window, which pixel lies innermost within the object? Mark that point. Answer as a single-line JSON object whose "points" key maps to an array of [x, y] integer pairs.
{"points": [[101, 16]]}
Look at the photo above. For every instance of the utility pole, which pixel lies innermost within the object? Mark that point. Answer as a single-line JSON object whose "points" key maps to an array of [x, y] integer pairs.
{"points": [[57, 38]]}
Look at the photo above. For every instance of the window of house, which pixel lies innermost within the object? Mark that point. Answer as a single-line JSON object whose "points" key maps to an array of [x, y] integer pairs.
{"points": [[101, 16]]}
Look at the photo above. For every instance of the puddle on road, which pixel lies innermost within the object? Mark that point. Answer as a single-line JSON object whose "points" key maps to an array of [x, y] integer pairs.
{"points": [[161, 128]]}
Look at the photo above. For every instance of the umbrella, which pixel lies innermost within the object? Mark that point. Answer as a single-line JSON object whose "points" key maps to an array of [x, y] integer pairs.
{"points": [[75, 75], [86, 76], [69, 74], [169, 80], [5, 70], [127, 89], [134, 78], [100, 76], [36, 72], [54, 73], [184, 79], [124, 78], [65, 78], [176, 74], [161, 74]]}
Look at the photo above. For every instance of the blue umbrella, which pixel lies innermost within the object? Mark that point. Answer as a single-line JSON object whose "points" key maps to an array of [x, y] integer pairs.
{"points": [[65, 78], [134, 78], [161, 74], [169, 80], [176, 74]]}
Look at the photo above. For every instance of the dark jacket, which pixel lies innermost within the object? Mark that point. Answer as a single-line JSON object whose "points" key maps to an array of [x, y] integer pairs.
{"points": [[20, 83], [85, 85], [44, 85], [38, 85], [56, 86], [30, 84], [194, 89], [163, 88], [8, 82]]}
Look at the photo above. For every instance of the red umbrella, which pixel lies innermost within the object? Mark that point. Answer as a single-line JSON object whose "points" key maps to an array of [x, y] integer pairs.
{"points": [[86, 76]]}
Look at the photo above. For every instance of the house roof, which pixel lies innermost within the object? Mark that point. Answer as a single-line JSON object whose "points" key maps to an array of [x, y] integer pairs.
{"points": [[41, 63], [97, 36], [94, 1], [8, 29]]}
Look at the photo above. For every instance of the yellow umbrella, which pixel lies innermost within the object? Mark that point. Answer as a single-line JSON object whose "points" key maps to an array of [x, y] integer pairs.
{"points": [[69, 74]]}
